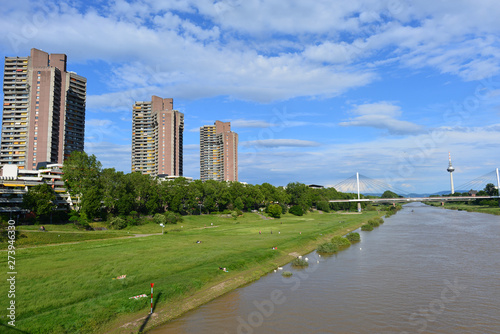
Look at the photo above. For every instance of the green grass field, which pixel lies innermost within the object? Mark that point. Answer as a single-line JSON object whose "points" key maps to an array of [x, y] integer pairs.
{"points": [[70, 288], [468, 207]]}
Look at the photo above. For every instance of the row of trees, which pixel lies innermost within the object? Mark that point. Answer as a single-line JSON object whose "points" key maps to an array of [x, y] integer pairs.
{"points": [[102, 192]]}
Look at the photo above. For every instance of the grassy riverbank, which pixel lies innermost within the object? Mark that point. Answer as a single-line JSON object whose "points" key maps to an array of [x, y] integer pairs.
{"points": [[468, 207], [69, 288]]}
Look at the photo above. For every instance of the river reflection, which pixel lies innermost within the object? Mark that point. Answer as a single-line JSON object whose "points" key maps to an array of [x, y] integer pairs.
{"points": [[426, 270]]}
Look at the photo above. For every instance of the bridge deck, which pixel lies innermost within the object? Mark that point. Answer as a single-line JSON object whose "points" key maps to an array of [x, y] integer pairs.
{"points": [[414, 199]]}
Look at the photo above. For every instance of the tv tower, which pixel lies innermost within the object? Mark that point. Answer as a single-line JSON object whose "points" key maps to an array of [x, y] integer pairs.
{"points": [[451, 170]]}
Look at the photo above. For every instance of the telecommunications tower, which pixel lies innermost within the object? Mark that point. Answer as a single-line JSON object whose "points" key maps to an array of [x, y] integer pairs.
{"points": [[451, 170]]}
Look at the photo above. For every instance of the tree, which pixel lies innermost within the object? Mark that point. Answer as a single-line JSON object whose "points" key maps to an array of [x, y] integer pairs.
{"points": [[323, 206], [491, 190], [40, 200], [81, 171], [91, 203], [299, 195], [274, 210]]}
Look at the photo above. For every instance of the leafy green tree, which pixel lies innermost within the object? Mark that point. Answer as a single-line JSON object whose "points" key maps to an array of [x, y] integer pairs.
{"points": [[274, 210], [40, 200], [323, 206], [299, 195], [91, 202], [81, 172], [491, 190]]}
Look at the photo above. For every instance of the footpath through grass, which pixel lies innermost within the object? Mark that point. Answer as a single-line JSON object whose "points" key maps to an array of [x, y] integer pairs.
{"points": [[70, 288]]}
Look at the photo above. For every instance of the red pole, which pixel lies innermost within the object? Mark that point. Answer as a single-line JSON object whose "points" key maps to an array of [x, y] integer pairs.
{"points": [[152, 298]]}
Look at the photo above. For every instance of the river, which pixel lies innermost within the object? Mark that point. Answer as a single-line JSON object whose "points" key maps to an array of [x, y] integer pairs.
{"points": [[425, 270]]}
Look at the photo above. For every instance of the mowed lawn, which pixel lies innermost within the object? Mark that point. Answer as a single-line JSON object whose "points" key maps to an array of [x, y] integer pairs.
{"points": [[70, 288]]}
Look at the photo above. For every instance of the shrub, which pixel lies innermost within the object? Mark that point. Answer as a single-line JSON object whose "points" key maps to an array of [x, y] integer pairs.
{"points": [[274, 210], [353, 237], [299, 263], [79, 222], [296, 210], [340, 242], [286, 274], [173, 218], [373, 223], [159, 218], [328, 248], [366, 227], [117, 223]]}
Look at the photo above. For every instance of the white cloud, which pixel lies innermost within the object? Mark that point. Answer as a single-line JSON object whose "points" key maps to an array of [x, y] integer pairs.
{"points": [[280, 143], [382, 115], [248, 123], [192, 147], [416, 163], [111, 155]]}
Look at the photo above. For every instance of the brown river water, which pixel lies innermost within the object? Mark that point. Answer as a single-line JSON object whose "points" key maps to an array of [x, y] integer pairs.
{"points": [[425, 270]]}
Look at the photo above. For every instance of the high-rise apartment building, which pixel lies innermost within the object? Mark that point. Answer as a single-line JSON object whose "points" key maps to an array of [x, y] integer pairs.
{"points": [[157, 132], [218, 152], [43, 111]]}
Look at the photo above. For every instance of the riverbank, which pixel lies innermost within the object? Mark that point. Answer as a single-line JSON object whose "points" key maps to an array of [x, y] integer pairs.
{"points": [[70, 288], [467, 207]]}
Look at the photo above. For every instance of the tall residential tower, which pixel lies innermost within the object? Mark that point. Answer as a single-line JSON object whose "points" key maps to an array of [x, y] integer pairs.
{"points": [[157, 132], [218, 152], [43, 111]]}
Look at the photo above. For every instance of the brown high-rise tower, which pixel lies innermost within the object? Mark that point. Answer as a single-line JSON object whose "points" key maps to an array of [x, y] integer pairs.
{"points": [[218, 152], [43, 112], [157, 135]]}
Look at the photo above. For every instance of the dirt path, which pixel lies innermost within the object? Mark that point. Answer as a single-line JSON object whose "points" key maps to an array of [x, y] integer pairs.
{"points": [[264, 217], [79, 242]]}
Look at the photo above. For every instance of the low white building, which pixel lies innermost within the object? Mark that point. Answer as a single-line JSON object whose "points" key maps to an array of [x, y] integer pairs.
{"points": [[15, 182]]}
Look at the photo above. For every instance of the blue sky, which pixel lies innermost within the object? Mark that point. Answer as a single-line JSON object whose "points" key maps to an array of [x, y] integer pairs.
{"points": [[316, 90]]}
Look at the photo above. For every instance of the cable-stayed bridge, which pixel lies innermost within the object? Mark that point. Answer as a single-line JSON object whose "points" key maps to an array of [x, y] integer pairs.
{"points": [[360, 184]]}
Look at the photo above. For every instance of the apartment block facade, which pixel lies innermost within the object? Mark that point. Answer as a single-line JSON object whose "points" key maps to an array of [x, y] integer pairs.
{"points": [[218, 152], [43, 111], [157, 138]]}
